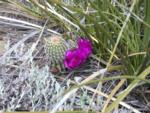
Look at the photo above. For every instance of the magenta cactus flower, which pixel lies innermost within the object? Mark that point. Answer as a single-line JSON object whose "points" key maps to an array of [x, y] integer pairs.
{"points": [[85, 45], [74, 58]]}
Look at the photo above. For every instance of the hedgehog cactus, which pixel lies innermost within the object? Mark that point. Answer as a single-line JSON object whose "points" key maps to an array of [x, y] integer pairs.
{"points": [[56, 47]]}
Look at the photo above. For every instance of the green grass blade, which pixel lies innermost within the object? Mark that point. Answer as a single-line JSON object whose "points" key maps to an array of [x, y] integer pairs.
{"points": [[147, 20], [127, 90]]}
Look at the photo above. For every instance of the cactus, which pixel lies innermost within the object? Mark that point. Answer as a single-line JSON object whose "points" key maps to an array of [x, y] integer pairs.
{"points": [[56, 47]]}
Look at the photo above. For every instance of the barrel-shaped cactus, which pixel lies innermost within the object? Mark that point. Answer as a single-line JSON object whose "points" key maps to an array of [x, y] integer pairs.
{"points": [[56, 47]]}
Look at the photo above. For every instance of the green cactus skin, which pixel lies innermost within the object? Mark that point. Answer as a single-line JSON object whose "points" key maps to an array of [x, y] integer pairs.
{"points": [[56, 47]]}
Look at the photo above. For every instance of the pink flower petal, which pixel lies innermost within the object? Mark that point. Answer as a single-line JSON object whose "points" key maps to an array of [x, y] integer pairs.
{"points": [[74, 58], [85, 45]]}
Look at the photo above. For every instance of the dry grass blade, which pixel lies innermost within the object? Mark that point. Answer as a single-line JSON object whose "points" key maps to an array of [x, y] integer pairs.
{"points": [[132, 85], [66, 96], [52, 10], [113, 99], [106, 96], [2, 47], [73, 91], [117, 87], [26, 23], [36, 43], [17, 44]]}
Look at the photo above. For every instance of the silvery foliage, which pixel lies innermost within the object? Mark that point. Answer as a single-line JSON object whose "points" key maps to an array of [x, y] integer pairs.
{"points": [[34, 89]]}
